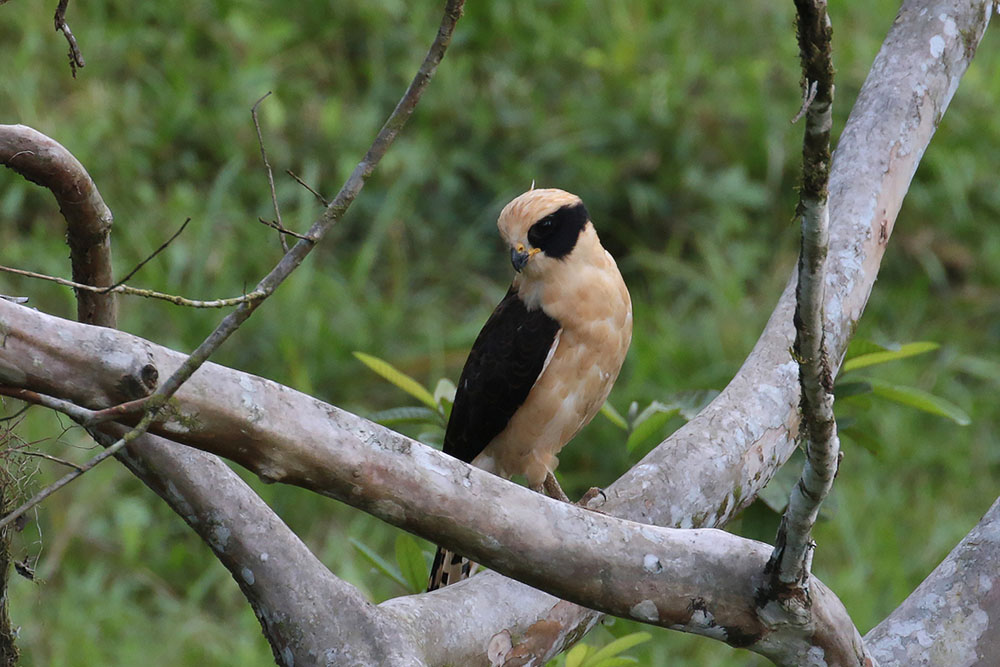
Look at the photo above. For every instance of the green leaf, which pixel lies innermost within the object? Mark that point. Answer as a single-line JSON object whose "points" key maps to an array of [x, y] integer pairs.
{"points": [[411, 562], [847, 389], [576, 655], [618, 661], [861, 437], [617, 646], [977, 366], [398, 378], [648, 423], [860, 346], [921, 400], [775, 494], [690, 403], [415, 414], [884, 356], [379, 563], [614, 417]]}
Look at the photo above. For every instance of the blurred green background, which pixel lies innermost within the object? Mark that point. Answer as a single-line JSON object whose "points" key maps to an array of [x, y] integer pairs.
{"points": [[671, 120]]}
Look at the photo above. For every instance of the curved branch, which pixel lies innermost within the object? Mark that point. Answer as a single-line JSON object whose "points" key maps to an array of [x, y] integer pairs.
{"points": [[701, 581], [732, 449], [44, 161], [951, 620]]}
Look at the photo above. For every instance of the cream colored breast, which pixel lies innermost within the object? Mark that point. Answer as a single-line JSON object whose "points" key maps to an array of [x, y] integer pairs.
{"points": [[592, 304]]}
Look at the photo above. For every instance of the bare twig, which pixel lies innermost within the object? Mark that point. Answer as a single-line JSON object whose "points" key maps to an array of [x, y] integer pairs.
{"points": [[292, 259], [791, 560], [141, 264], [808, 95], [283, 230], [89, 465], [49, 457], [80, 414], [135, 291], [270, 176], [16, 414], [75, 57], [308, 187]]}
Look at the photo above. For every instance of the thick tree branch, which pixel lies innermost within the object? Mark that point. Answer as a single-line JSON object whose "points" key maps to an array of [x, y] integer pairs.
{"points": [[198, 486], [734, 446], [278, 600], [44, 161], [698, 581], [951, 620], [731, 450]]}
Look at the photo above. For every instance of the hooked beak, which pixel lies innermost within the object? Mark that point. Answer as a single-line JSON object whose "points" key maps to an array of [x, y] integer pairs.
{"points": [[519, 256]]}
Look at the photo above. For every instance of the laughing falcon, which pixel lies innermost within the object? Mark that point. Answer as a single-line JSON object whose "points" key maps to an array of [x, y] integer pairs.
{"points": [[546, 359]]}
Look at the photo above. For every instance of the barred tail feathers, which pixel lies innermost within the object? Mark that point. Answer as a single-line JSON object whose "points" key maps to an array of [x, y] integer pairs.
{"points": [[448, 568]]}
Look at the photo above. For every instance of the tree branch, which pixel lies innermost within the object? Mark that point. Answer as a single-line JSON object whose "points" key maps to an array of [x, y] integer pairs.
{"points": [[790, 562], [731, 450], [44, 161], [75, 57], [950, 620], [135, 291], [698, 581]]}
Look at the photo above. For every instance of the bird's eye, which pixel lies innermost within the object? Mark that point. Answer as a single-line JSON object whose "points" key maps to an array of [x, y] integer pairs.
{"points": [[545, 222]]}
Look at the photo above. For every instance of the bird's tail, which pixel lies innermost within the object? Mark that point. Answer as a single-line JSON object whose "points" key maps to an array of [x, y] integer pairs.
{"points": [[448, 568]]}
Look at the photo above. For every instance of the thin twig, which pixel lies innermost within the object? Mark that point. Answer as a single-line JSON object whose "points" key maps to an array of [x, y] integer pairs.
{"points": [[308, 187], [292, 259], [791, 560], [75, 57], [135, 291], [270, 176], [143, 263], [107, 453], [73, 410], [808, 95], [277, 226], [55, 459], [19, 412]]}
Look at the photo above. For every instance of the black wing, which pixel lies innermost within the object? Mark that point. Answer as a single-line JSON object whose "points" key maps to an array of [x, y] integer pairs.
{"points": [[503, 365]]}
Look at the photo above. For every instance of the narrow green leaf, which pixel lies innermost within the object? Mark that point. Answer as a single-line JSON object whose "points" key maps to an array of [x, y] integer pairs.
{"points": [[775, 494], [884, 356], [847, 389], [977, 366], [379, 563], [619, 645], [921, 400], [411, 562], [690, 403], [398, 378], [649, 426], [617, 661], [576, 655], [614, 417], [414, 414], [859, 346], [863, 438]]}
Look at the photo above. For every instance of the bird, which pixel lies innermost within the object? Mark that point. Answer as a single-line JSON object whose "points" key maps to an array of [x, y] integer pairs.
{"points": [[547, 357]]}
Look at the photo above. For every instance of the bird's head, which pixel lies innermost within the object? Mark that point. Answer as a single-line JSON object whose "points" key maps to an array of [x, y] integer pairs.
{"points": [[542, 227]]}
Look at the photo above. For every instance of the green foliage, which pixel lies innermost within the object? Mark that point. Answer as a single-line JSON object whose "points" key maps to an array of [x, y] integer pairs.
{"points": [[670, 119], [609, 655], [398, 378]]}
